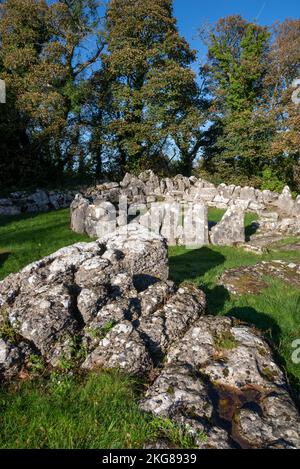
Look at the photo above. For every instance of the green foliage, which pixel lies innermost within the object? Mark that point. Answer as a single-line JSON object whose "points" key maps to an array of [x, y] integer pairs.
{"points": [[271, 181], [74, 356], [180, 437], [7, 332], [36, 365], [236, 71], [236, 49], [154, 95], [42, 63], [225, 341], [106, 328], [253, 121], [133, 102]]}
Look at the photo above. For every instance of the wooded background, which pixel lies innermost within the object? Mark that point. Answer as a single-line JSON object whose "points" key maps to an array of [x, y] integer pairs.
{"points": [[95, 91]]}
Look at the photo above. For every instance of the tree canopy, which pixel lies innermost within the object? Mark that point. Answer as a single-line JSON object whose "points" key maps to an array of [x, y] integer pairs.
{"points": [[94, 91]]}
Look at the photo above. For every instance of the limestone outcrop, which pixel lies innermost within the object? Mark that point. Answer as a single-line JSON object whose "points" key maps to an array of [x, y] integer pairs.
{"points": [[51, 301], [221, 383], [109, 304]]}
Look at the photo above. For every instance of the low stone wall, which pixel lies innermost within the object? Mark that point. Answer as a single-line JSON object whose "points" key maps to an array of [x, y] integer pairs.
{"points": [[159, 203], [38, 201]]}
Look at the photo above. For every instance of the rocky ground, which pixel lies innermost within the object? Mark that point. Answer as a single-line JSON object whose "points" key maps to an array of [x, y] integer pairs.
{"points": [[250, 279], [109, 304]]}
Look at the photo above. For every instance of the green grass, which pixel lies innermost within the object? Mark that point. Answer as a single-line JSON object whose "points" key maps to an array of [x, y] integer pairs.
{"points": [[285, 242], [275, 310], [27, 238], [101, 411]]}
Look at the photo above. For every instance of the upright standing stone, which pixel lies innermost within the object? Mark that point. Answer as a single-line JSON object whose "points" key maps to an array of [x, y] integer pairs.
{"points": [[231, 229], [285, 201], [195, 225], [171, 223]]}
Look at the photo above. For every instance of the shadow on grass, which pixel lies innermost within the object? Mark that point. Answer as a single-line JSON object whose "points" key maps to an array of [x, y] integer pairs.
{"points": [[216, 298], [3, 257], [6, 220], [192, 265], [30, 233], [262, 321], [250, 230]]}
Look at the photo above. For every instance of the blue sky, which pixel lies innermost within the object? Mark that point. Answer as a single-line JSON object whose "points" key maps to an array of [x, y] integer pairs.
{"points": [[191, 14]]}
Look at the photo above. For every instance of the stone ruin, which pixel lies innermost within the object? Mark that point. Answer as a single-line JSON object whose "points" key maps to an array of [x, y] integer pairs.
{"points": [[38, 201], [177, 209], [214, 377], [178, 198]]}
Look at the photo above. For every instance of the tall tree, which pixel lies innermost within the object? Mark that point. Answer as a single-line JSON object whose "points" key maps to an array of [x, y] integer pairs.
{"points": [[45, 66], [22, 33], [154, 91], [283, 71], [235, 71]]}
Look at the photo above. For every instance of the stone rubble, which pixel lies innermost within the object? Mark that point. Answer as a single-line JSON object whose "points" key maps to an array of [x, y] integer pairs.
{"points": [[94, 210]]}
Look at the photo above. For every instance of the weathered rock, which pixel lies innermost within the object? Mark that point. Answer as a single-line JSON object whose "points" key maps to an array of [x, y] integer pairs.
{"points": [[195, 225], [220, 380], [145, 251], [122, 348], [285, 201], [250, 279], [231, 229], [7, 208], [52, 300], [79, 208], [38, 201], [13, 358], [165, 325], [170, 228]]}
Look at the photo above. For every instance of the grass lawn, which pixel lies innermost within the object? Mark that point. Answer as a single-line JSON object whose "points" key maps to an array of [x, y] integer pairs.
{"points": [[27, 238], [98, 412], [101, 411]]}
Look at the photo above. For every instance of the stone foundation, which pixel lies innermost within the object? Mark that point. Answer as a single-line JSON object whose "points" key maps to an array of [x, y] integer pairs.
{"points": [[38, 201], [161, 205]]}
